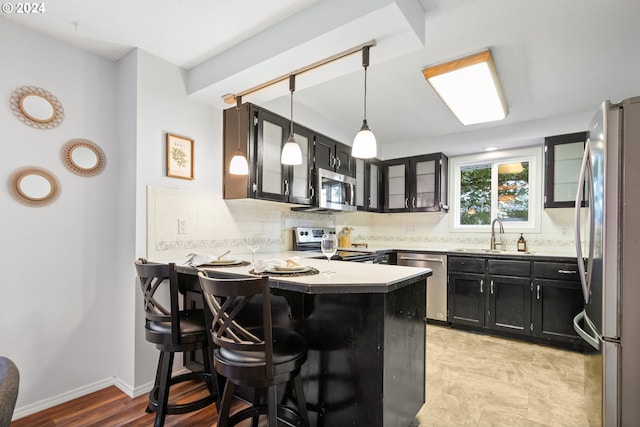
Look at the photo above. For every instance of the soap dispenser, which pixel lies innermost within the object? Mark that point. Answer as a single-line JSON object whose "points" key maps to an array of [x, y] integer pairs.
{"points": [[522, 244]]}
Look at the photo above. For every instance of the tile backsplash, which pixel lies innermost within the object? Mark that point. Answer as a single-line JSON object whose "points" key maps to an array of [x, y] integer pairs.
{"points": [[180, 222]]}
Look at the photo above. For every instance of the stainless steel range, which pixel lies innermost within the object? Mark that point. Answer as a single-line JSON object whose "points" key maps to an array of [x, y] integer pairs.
{"points": [[308, 239]]}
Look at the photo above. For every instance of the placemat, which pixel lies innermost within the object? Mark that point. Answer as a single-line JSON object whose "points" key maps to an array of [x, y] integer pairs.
{"points": [[309, 272], [240, 264]]}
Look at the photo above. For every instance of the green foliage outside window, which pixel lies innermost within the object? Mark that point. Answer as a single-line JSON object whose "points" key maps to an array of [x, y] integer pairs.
{"points": [[475, 195], [476, 190]]}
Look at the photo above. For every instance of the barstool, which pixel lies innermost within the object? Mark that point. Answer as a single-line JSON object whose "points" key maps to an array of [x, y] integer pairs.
{"points": [[173, 330], [261, 357]]}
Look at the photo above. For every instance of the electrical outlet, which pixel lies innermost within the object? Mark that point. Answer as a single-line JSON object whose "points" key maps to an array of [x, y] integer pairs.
{"points": [[182, 226]]}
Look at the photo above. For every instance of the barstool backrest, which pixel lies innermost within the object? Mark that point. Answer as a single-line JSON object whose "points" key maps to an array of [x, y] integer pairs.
{"points": [[154, 276], [225, 299]]}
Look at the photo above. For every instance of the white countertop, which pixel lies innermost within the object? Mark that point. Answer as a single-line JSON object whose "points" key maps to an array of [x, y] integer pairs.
{"points": [[349, 277]]}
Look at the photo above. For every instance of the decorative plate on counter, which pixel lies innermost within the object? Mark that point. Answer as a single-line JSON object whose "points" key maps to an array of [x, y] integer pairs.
{"points": [[224, 263], [288, 269]]}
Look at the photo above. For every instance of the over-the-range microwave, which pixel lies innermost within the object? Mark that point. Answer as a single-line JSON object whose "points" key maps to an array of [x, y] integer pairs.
{"points": [[336, 193]]}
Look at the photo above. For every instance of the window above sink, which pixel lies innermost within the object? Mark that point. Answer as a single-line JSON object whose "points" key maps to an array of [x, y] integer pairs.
{"points": [[500, 184]]}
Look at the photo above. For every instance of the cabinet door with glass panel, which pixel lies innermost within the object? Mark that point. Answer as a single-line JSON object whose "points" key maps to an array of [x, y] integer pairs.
{"points": [[272, 132], [396, 179], [300, 187], [428, 183], [416, 184], [563, 159], [368, 181], [276, 181]]}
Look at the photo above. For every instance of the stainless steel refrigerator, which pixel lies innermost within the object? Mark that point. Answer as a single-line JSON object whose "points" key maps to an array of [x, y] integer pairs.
{"points": [[608, 251]]}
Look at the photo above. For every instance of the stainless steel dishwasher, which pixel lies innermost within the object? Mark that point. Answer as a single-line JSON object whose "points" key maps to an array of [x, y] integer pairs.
{"points": [[436, 284]]}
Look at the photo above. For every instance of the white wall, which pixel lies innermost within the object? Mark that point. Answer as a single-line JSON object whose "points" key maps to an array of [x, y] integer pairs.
{"points": [[56, 303]]}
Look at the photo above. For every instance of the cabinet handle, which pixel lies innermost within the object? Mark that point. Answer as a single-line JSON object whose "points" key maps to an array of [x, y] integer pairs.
{"points": [[538, 292], [286, 187], [339, 162], [406, 203], [312, 191], [567, 271], [492, 287], [481, 286], [414, 202], [332, 162], [409, 258], [254, 187]]}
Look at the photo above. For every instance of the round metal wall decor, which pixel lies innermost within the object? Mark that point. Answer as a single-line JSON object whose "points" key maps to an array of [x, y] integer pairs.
{"points": [[36, 107], [34, 186], [83, 157]]}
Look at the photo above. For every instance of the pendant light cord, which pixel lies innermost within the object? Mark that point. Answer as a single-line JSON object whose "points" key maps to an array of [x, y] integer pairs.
{"points": [[292, 88], [238, 108], [365, 64]]}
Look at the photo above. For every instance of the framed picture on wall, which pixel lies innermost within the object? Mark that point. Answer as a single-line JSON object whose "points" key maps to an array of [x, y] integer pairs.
{"points": [[179, 156]]}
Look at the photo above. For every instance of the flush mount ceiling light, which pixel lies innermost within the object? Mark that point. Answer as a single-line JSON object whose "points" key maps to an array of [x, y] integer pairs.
{"points": [[364, 144], [470, 88], [291, 153], [238, 164]]}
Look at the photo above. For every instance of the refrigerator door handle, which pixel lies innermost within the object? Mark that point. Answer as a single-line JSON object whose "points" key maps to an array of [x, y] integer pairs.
{"points": [[593, 341], [585, 276]]}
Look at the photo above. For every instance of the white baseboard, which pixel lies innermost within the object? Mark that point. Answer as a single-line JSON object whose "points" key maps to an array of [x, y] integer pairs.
{"points": [[23, 411]]}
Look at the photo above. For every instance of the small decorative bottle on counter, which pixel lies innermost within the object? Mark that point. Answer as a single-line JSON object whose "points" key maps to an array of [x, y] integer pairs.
{"points": [[522, 244]]}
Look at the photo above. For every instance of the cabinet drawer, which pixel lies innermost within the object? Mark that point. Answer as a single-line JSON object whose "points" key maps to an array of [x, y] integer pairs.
{"points": [[504, 267], [466, 265], [556, 270]]}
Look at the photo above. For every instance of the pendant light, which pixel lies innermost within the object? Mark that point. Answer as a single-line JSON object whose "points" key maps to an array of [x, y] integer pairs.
{"points": [[364, 144], [239, 165], [291, 153]]}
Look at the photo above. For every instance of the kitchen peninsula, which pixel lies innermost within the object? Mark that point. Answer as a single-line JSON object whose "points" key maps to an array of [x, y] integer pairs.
{"points": [[365, 327]]}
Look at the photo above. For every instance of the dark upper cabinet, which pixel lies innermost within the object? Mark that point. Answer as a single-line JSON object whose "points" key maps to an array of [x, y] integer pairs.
{"points": [[368, 184], [416, 184], [334, 156], [562, 162], [261, 135]]}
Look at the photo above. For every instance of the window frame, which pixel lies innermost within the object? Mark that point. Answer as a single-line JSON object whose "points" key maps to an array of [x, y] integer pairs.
{"points": [[531, 154]]}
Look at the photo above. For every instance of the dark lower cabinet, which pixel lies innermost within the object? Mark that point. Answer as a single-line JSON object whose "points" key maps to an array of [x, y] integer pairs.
{"points": [[509, 295], [535, 300], [557, 300], [509, 304], [466, 299]]}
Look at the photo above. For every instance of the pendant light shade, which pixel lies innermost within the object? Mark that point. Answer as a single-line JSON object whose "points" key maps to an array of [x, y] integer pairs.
{"points": [[364, 144], [291, 153], [238, 164]]}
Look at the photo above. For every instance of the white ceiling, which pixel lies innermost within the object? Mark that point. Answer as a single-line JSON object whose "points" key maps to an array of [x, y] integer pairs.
{"points": [[557, 60]]}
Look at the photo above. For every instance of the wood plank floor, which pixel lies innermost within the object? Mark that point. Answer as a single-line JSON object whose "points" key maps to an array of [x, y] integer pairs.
{"points": [[111, 407]]}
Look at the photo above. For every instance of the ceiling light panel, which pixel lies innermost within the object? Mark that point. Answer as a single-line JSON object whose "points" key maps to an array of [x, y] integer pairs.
{"points": [[470, 88]]}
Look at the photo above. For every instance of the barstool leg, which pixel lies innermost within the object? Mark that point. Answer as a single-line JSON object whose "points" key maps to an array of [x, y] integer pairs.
{"points": [[272, 406], [227, 398], [302, 405], [163, 391], [212, 385], [156, 383], [256, 402]]}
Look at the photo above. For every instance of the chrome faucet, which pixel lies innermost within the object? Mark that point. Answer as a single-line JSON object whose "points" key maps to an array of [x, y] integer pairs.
{"points": [[496, 245]]}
